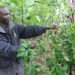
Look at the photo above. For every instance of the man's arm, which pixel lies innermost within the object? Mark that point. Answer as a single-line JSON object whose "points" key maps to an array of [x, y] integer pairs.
{"points": [[33, 31], [6, 49], [30, 31]]}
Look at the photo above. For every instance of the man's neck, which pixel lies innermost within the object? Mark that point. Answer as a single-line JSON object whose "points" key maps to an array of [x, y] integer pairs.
{"points": [[5, 23], [4, 26], [10, 25]]}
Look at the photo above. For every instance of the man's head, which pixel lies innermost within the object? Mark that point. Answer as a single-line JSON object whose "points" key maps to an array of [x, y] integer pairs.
{"points": [[4, 15]]}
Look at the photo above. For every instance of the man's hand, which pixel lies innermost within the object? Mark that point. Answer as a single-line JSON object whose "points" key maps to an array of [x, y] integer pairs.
{"points": [[53, 26]]}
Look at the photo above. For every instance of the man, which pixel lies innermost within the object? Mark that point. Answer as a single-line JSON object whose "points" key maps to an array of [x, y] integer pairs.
{"points": [[10, 35]]}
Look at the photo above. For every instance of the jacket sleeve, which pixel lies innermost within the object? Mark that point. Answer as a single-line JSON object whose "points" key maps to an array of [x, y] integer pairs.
{"points": [[30, 31], [6, 49]]}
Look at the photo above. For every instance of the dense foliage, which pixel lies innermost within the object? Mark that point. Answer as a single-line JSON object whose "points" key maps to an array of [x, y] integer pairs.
{"points": [[54, 52]]}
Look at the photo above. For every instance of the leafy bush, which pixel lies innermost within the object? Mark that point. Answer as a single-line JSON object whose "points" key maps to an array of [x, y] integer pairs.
{"points": [[55, 50]]}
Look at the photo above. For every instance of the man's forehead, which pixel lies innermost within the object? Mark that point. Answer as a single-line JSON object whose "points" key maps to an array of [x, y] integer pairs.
{"points": [[3, 10]]}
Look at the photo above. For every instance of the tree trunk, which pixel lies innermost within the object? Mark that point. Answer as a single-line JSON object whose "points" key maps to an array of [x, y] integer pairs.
{"points": [[71, 7]]}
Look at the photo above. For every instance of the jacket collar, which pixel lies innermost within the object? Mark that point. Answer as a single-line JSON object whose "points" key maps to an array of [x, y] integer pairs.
{"points": [[11, 25], [2, 30]]}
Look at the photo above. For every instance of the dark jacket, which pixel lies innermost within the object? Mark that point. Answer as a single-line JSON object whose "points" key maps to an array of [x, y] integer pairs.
{"points": [[10, 40]]}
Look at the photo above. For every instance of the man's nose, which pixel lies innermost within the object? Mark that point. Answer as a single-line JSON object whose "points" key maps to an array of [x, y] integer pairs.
{"points": [[8, 16]]}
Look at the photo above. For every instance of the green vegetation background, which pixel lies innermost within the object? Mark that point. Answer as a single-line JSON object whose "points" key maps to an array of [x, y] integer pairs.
{"points": [[54, 51]]}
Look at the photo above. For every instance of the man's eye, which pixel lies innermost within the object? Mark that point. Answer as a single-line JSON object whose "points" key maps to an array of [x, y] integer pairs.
{"points": [[7, 14]]}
